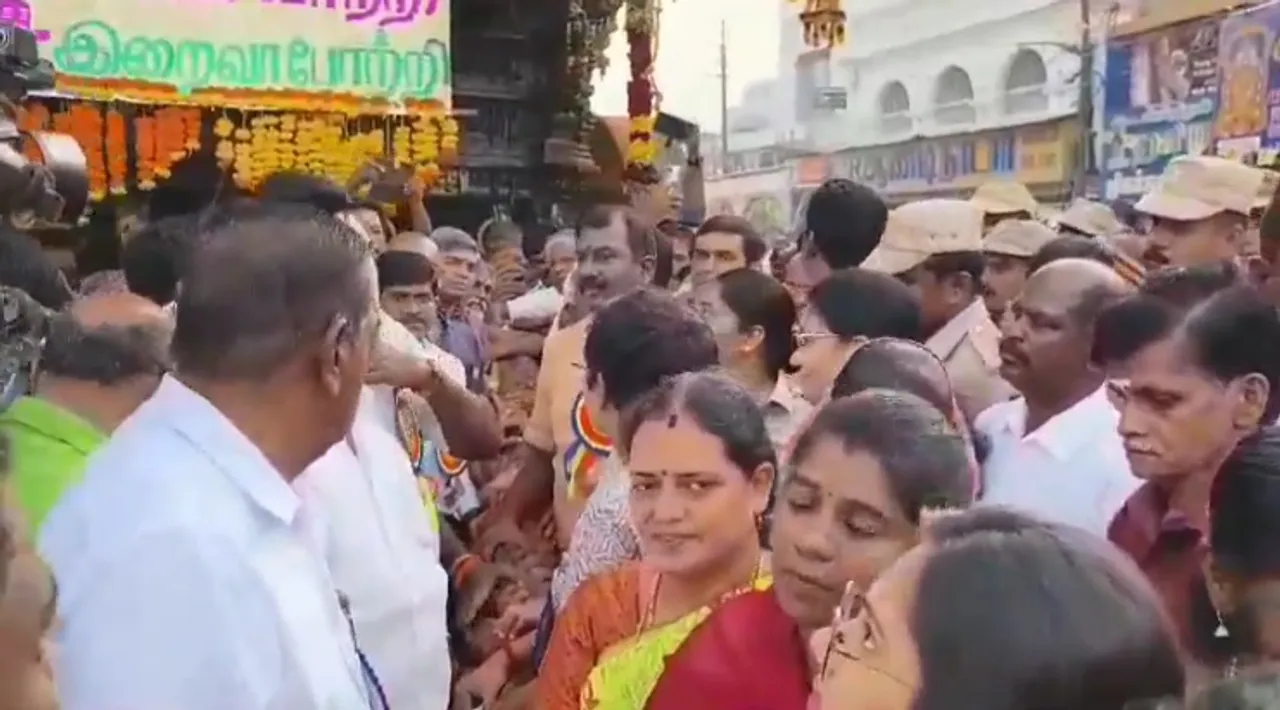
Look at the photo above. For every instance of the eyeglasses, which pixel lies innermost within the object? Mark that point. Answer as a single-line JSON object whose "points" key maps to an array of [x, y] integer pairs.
{"points": [[853, 604], [804, 339]]}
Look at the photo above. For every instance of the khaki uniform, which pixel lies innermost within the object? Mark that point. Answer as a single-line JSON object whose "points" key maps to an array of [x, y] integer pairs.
{"points": [[969, 347], [784, 414], [969, 344]]}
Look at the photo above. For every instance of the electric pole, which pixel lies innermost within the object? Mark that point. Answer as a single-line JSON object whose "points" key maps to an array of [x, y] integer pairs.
{"points": [[1084, 162], [724, 92]]}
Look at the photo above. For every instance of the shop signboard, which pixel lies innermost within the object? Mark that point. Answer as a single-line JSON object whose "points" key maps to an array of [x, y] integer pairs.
{"points": [[810, 170], [1161, 96], [259, 53], [932, 165], [1036, 154], [1248, 125]]}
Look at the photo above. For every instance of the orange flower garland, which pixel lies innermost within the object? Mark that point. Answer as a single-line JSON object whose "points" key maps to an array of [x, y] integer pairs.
{"points": [[117, 153], [62, 122], [144, 146], [251, 145], [171, 140], [34, 117], [87, 129], [349, 105], [641, 21], [192, 123]]}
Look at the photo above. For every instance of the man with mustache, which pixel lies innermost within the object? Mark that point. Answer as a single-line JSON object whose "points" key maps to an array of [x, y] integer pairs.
{"points": [[935, 246], [457, 268], [1200, 211], [1008, 249], [1055, 451], [407, 292], [562, 446]]}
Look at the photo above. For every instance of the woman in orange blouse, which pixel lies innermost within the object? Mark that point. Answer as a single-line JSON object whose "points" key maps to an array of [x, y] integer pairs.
{"points": [[701, 469]]}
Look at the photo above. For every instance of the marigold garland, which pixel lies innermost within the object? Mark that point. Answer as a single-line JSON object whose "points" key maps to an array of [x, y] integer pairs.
{"points": [[34, 117], [323, 144], [117, 153], [250, 147], [641, 151], [87, 129], [158, 94], [144, 148]]}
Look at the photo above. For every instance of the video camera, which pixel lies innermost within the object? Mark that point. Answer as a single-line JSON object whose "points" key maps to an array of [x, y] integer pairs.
{"points": [[44, 176], [23, 328]]}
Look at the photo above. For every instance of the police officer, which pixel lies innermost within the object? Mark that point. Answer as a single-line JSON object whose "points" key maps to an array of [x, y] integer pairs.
{"points": [[936, 247], [1009, 248]]}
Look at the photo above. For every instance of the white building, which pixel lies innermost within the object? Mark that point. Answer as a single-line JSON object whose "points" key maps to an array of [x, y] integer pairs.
{"points": [[932, 97], [753, 178]]}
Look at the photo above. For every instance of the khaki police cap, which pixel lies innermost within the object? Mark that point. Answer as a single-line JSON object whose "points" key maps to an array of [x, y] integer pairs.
{"points": [[1018, 237], [997, 197], [918, 230], [1092, 218], [1198, 187]]}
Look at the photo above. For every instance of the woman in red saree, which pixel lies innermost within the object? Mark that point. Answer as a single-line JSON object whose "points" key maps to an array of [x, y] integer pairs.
{"points": [[701, 468], [859, 479]]}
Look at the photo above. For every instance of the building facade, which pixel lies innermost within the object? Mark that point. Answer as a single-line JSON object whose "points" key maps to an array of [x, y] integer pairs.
{"points": [[1185, 78], [932, 97], [749, 173]]}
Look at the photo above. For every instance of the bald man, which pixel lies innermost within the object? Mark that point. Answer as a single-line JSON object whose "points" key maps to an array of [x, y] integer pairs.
{"points": [[101, 359], [1055, 451], [415, 242]]}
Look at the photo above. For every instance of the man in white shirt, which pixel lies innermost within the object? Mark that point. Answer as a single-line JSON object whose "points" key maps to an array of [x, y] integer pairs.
{"points": [[188, 572], [382, 544], [1055, 451]]}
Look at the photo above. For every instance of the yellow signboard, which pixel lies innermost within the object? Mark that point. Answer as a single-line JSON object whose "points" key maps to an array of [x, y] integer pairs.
{"points": [[250, 53], [1035, 154], [1046, 153]]}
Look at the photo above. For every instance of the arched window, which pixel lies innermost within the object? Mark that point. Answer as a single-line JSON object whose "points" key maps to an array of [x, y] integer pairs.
{"points": [[953, 97], [1024, 85], [895, 108]]}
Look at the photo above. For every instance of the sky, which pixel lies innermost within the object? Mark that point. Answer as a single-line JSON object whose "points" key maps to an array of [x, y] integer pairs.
{"points": [[688, 57]]}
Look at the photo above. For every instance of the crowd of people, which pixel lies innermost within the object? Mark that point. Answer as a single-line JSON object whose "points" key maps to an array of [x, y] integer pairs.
{"points": [[947, 455]]}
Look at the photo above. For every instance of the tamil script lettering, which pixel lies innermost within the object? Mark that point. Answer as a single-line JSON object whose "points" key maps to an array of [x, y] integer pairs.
{"points": [[95, 49], [391, 14]]}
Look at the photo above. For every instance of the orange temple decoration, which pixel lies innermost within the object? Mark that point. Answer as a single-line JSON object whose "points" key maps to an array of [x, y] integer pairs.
{"points": [[824, 22]]}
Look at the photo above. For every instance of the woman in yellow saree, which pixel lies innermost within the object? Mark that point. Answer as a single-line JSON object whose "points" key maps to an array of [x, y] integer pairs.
{"points": [[701, 468]]}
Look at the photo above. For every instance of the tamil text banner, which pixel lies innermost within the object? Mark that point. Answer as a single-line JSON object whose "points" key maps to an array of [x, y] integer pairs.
{"points": [[272, 53]]}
